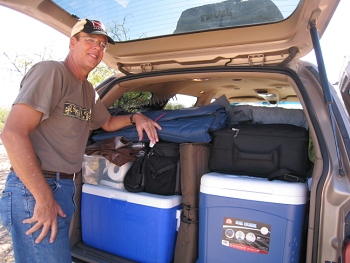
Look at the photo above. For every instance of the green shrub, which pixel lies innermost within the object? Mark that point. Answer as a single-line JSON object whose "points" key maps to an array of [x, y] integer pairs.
{"points": [[4, 112]]}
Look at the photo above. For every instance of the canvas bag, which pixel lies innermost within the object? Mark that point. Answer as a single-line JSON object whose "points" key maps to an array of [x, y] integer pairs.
{"points": [[194, 162], [178, 126], [156, 172]]}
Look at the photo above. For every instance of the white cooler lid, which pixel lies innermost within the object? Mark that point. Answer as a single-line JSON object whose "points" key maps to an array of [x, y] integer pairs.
{"points": [[254, 188], [142, 198]]}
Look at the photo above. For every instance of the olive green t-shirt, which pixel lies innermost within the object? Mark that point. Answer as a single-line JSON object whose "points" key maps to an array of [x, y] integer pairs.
{"points": [[70, 108]]}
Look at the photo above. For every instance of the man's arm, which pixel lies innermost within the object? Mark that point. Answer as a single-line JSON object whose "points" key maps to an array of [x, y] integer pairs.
{"points": [[142, 122], [15, 136]]}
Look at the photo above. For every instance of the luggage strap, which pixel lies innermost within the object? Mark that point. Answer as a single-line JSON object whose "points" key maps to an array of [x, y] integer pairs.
{"points": [[286, 175], [189, 214]]}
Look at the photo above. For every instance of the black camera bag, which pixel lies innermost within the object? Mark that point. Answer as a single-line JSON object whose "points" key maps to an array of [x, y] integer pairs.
{"points": [[156, 172]]}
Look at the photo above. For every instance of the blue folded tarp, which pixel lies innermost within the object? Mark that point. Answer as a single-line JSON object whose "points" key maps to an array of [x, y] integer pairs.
{"points": [[179, 126]]}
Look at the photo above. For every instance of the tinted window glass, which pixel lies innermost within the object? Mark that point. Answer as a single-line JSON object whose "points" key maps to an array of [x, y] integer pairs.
{"points": [[145, 101], [137, 19], [181, 101]]}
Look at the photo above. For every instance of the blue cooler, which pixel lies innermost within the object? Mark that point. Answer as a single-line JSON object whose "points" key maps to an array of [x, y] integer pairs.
{"points": [[137, 226], [248, 219]]}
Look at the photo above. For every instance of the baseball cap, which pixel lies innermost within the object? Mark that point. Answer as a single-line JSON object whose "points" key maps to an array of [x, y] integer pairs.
{"points": [[92, 27]]}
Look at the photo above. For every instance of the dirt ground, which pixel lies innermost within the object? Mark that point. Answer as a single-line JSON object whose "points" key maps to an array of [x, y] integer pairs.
{"points": [[6, 252]]}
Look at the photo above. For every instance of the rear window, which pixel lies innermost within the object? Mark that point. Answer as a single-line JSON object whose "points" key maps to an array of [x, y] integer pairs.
{"points": [[280, 104], [137, 19], [145, 101]]}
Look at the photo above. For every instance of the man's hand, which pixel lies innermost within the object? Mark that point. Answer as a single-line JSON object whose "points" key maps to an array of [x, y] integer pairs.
{"points": [[142, 122], [45, 216], [146, 124]]}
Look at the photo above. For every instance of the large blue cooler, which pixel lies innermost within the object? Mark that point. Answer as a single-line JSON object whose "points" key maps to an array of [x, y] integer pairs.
{"points": [[248, 219], [137, 226]]}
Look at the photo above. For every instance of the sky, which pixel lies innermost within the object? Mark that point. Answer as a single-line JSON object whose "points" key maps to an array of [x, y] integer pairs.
{"points": [[24, 35]]}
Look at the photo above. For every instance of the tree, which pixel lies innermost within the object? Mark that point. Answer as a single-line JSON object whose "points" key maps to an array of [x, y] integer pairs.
{"points": [[21, 63], [174, 106], [119, 31], [4, 112], [100, 73], [132, 101]]}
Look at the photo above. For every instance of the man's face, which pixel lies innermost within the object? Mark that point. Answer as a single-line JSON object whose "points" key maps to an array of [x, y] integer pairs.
{"points": [[87, 50]]}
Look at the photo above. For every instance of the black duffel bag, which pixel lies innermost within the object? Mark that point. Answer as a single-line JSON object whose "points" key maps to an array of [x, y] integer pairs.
{"points": [[273, 151], [156, 172]]}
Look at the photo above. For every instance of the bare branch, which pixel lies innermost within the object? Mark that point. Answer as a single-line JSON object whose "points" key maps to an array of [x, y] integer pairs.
{"points": [[13, 62]]}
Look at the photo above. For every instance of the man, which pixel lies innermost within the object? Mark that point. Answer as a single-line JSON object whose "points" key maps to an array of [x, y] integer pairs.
{"points": [[45, 137]]}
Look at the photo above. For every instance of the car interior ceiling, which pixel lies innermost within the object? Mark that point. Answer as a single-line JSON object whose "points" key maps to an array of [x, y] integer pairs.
{"points": [[237, 87]]}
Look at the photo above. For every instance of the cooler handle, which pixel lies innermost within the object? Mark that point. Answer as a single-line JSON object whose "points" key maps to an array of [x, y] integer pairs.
{"points": [[178, 219]]}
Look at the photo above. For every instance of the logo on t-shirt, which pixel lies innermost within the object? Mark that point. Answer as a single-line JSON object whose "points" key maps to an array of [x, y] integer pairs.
{"points": [[76, 111]]}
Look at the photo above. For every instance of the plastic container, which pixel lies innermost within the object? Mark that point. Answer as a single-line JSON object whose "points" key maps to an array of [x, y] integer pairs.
{"points": [[98, 170], [137, 226], [248, 219]]}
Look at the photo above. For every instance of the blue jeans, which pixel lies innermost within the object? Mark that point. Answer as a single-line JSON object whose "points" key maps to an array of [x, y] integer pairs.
{"points": [[17, 204]]}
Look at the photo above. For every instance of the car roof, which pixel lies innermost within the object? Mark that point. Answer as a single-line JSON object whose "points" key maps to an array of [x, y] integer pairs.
{"points": [[263, 32]]}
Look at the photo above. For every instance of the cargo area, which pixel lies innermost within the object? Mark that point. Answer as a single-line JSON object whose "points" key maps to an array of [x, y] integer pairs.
{"points": [[218, 215]]}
